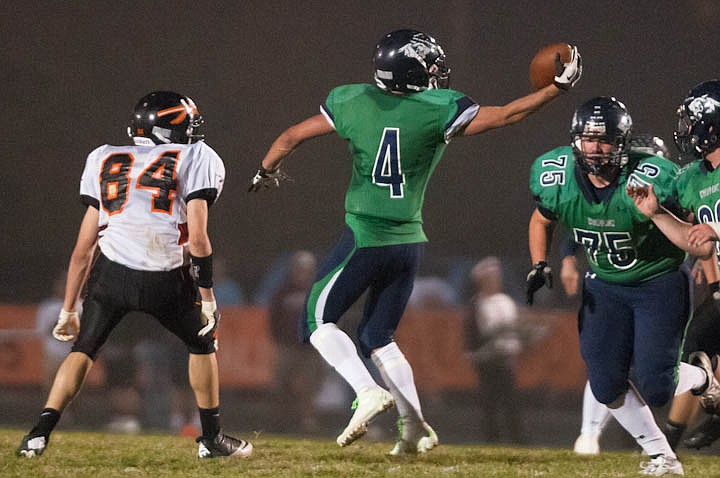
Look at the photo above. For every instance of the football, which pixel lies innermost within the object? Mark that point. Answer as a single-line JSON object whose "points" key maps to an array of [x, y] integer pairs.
{"points": [[542, 66]]}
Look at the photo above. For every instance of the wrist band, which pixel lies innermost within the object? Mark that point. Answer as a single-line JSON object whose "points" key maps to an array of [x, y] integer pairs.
{"points": [[203, 270]]}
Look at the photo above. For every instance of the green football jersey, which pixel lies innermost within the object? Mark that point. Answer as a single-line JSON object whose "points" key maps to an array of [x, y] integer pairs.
{"points": [[698, 191], [395, 142], [621, 244]]}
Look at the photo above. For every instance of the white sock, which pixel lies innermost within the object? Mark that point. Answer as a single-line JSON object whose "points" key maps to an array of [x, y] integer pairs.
{"points": [[635, 416], [398, 376], [690, 377], [339, 351], [594, 414]]}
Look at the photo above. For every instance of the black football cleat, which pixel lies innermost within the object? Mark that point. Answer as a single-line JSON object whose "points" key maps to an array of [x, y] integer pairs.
{"points": [[705, 434], [223, 445], [31, 446]]}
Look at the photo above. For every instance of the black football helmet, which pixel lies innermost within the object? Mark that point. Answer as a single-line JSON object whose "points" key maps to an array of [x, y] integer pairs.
{"points": [[698, 129], [165, 117], [647, 143], [408, 61], [604, 119]]}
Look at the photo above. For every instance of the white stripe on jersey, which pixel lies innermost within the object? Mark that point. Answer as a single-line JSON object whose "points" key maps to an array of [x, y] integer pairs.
{"points": [[141, 191], [461, 121], [327, 116]]}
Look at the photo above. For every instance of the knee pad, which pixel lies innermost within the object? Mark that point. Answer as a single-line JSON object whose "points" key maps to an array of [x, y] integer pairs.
{"points": [[202, 345], [608, 393]]}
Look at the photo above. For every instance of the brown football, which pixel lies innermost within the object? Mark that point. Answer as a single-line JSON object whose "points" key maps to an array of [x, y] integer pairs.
{"points": [[542, 66]]}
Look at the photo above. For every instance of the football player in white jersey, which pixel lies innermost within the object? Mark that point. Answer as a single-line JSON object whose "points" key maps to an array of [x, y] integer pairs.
{"points": [[147, 211]]}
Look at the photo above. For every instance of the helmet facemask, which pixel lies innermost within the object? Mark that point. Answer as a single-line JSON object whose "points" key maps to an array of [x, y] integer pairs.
{"points": [[605, 162]]}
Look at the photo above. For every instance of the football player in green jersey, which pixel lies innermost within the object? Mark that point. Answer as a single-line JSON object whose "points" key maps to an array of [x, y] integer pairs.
{"points": [[697, 135], [635, 300], [397, 131]]}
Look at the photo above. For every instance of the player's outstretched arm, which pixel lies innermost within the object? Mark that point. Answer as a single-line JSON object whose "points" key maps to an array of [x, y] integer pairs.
{"points": [[269, 172], [677, 231], [491, 117]]}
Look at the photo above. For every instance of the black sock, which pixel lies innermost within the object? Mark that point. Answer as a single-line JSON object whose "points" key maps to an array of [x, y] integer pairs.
{"points": [[673, 432], [210, 421], [45, 425]]}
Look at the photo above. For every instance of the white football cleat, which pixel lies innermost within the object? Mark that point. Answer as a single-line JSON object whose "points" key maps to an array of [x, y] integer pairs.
{"points": [[370, 403], [710, 394], [587, 444], [662, 465], [414, 439]]}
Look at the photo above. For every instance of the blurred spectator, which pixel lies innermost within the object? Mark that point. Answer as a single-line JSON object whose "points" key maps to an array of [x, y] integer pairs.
{"points": [[227, 290], [432, 292], [493, 342], [296, 373]]}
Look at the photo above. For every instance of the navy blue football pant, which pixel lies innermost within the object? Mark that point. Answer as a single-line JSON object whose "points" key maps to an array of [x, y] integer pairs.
{"points": [[634, 326], [387, 273]]}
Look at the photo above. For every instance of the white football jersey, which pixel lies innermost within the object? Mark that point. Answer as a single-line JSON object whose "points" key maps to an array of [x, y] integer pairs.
{"points": [[142, 192]]}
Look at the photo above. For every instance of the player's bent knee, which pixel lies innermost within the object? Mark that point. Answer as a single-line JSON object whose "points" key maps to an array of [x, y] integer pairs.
{"points": [[88, 349], [368, 344], [202, 346], [658, 396]]}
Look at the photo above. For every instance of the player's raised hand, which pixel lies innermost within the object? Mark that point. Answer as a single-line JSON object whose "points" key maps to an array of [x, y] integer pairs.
{"points": [[699, 234], [67, 327], [568, 74], [539, 275], [265, 179], [645, 199]]}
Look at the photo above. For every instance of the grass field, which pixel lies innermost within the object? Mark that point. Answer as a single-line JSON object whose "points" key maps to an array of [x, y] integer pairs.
{"points": [[77, 454]]}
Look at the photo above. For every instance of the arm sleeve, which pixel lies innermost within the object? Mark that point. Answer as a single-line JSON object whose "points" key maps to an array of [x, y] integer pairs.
{"points": [[328, 109], [462, 113], [89, 182], [205, 176]]}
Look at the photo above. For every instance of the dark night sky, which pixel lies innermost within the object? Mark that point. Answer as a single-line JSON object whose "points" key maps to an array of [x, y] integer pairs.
{"points": [[70, 76]]}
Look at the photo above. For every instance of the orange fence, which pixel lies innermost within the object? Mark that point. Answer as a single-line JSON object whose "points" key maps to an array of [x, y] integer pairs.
{"points": [[432, 340]]}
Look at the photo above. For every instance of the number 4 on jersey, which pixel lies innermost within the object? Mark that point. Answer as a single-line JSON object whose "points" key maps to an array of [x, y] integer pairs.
{"points": [[387, 171]]}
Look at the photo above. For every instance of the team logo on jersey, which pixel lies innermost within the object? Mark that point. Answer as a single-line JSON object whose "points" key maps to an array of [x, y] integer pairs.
{"points": [[708, 191], [601, 222]]}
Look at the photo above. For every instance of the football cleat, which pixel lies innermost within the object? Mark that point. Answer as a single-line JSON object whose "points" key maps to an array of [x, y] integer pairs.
{"points": [[587, 444], [414, 439], [710, 394], [223, 445], [370, 403], [705, 434], [31, 446], [662, 465]]}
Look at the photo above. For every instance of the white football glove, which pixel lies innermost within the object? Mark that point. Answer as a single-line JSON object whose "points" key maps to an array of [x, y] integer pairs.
{"points": [[67, 327], [209, 315], [568, 73], [265, 179]]}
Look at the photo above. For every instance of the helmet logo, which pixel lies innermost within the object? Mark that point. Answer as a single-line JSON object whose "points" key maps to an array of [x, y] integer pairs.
{"points": [[419, 49], [702, 104], [182, 110]]}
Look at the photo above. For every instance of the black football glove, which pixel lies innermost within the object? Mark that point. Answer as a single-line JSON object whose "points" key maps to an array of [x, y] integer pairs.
{"points": [[539, 275], [265, 179]]}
